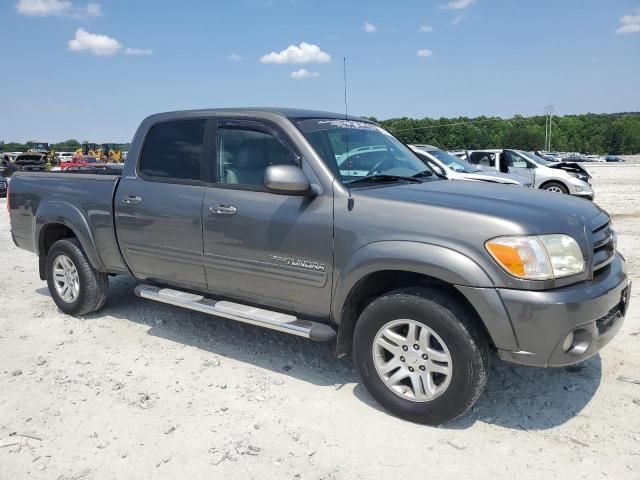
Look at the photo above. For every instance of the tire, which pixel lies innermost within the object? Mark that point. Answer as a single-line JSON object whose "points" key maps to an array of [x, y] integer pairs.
{"points": [[555, 187], [456, 333], [91, 292]]}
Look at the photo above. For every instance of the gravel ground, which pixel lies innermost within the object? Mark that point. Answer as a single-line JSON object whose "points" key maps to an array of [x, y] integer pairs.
{"points": [[144, 390]]}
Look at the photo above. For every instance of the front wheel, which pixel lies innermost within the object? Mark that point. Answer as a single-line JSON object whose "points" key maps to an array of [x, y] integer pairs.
{"points": [[76, 287], [421, 355], [555, 187]]}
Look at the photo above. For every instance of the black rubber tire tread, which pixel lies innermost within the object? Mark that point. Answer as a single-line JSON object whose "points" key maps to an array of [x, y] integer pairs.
{"points": [[564, 189], [459, 329], [93, 284]]}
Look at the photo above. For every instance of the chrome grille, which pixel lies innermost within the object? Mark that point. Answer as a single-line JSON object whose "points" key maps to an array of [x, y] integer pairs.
{"points": [[603, 246]]}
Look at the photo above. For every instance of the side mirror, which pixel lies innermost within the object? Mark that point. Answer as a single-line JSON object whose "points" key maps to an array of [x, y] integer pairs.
{"points": [[286, 180]]}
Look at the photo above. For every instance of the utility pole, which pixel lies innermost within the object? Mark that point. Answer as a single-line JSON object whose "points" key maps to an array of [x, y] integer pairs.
{"points": [[548, 111]]}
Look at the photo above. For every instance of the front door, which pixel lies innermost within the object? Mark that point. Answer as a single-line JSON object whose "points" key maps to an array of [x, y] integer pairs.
{"points": [[518, 165], [159, 210], [264, 248]]}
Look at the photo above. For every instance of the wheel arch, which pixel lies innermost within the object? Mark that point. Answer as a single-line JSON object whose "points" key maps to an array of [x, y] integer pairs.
{"points": [[384, 266], [555, 180], [57, 220]]}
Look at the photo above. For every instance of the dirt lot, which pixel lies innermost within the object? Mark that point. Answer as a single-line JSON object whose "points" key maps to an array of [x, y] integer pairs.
{"points": [[144, 390]]}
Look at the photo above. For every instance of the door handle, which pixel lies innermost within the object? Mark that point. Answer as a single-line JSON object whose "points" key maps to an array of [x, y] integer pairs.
{"points": [[131, 199], [223, 209]]}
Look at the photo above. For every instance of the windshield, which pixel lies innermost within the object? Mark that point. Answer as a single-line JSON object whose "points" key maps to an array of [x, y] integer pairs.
{"points": [[534, 158], [454, 163], [354, 150]]}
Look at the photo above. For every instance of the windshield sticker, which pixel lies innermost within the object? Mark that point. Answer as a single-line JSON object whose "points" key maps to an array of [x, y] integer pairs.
{"points": [[349, 124]]}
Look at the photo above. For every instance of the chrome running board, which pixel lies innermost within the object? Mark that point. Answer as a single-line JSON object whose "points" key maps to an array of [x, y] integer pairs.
{"points": [[235, 311]]}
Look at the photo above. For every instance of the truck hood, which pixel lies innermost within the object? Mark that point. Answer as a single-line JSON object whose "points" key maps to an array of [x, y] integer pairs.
{"points": [[527, 211]]}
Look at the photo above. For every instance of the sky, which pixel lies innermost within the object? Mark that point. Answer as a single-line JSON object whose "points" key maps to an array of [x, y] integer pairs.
{"points": [[93, 70]]}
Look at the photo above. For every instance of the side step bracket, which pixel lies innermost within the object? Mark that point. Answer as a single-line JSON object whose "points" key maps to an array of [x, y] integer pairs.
{"points": [[235, 311]]}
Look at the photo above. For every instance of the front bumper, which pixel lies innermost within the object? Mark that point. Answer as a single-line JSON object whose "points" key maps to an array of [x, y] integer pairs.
{"points": [[592, 310], [580, 188]]}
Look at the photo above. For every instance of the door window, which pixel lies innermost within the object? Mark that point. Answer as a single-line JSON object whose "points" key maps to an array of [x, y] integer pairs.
{"points": [[173, 150], [245, 152], [516, 161], [483, 158]]}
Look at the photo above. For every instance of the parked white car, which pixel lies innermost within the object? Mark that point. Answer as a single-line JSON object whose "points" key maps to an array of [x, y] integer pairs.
{"points": [[65, 156], [453, 168], [561, 177]]}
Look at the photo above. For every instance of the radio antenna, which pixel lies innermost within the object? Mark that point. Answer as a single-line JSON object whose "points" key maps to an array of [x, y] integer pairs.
{"points": [[344, 75], [346, 118]]}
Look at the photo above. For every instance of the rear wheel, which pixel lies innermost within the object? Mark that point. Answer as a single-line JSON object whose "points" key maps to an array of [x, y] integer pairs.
{"points": [[75, 286], [555, 187], [421, 355]]}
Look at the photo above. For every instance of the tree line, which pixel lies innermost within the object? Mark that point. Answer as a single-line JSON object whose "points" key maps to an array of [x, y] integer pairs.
{"points": [[617, 133]]}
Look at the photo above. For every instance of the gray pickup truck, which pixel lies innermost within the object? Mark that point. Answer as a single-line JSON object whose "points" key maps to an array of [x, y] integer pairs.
{"points": [[244, 214]]}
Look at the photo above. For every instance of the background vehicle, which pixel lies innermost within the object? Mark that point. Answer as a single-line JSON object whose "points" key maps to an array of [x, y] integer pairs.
{"points": [[78, 161], [31, 162], [453, 168], [65, 156], [548, 156], [559, 177], [88, 149], [419, 277], [578, 158], [108, 154], [613, 158], [461, 154], [44, 148], [97, 168]]}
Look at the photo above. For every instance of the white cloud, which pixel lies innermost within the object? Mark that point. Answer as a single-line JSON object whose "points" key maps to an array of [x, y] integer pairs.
{"points": [[629, 24], [303, 73], [235, 57], [304, 53], [458, 4], [45, 8], [42, 8], [96, 44], [138, 51], [425, 29], [424, 52], [369, 27], [457, 19], [93, 10]]}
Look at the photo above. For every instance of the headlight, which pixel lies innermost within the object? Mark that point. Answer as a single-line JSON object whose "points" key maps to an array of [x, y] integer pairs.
{"points": [[579, 175], [541, 257]]}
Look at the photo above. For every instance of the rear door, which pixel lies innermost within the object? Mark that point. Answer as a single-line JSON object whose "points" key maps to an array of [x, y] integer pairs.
{"points": [[260, 247], [159, 209], [483, 160]]}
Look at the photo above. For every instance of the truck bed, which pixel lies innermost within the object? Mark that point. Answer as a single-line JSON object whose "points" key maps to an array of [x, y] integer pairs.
{"points": [[82, 202]]}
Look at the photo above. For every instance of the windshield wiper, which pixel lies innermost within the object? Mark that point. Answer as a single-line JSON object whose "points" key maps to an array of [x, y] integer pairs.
{"points": [[424, 173], [383, 178]]}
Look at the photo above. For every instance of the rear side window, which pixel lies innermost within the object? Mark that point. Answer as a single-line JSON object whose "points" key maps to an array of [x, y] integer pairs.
{"points": [[483, 158], [174, 150]]}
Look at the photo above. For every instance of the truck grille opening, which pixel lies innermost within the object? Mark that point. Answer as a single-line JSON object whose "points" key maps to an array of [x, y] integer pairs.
{"points": [[605, 322], [603, 247]]}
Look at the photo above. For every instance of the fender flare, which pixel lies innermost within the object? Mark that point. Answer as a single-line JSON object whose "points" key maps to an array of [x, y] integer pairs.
{"points": [[442, 263], [63, 213]]}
